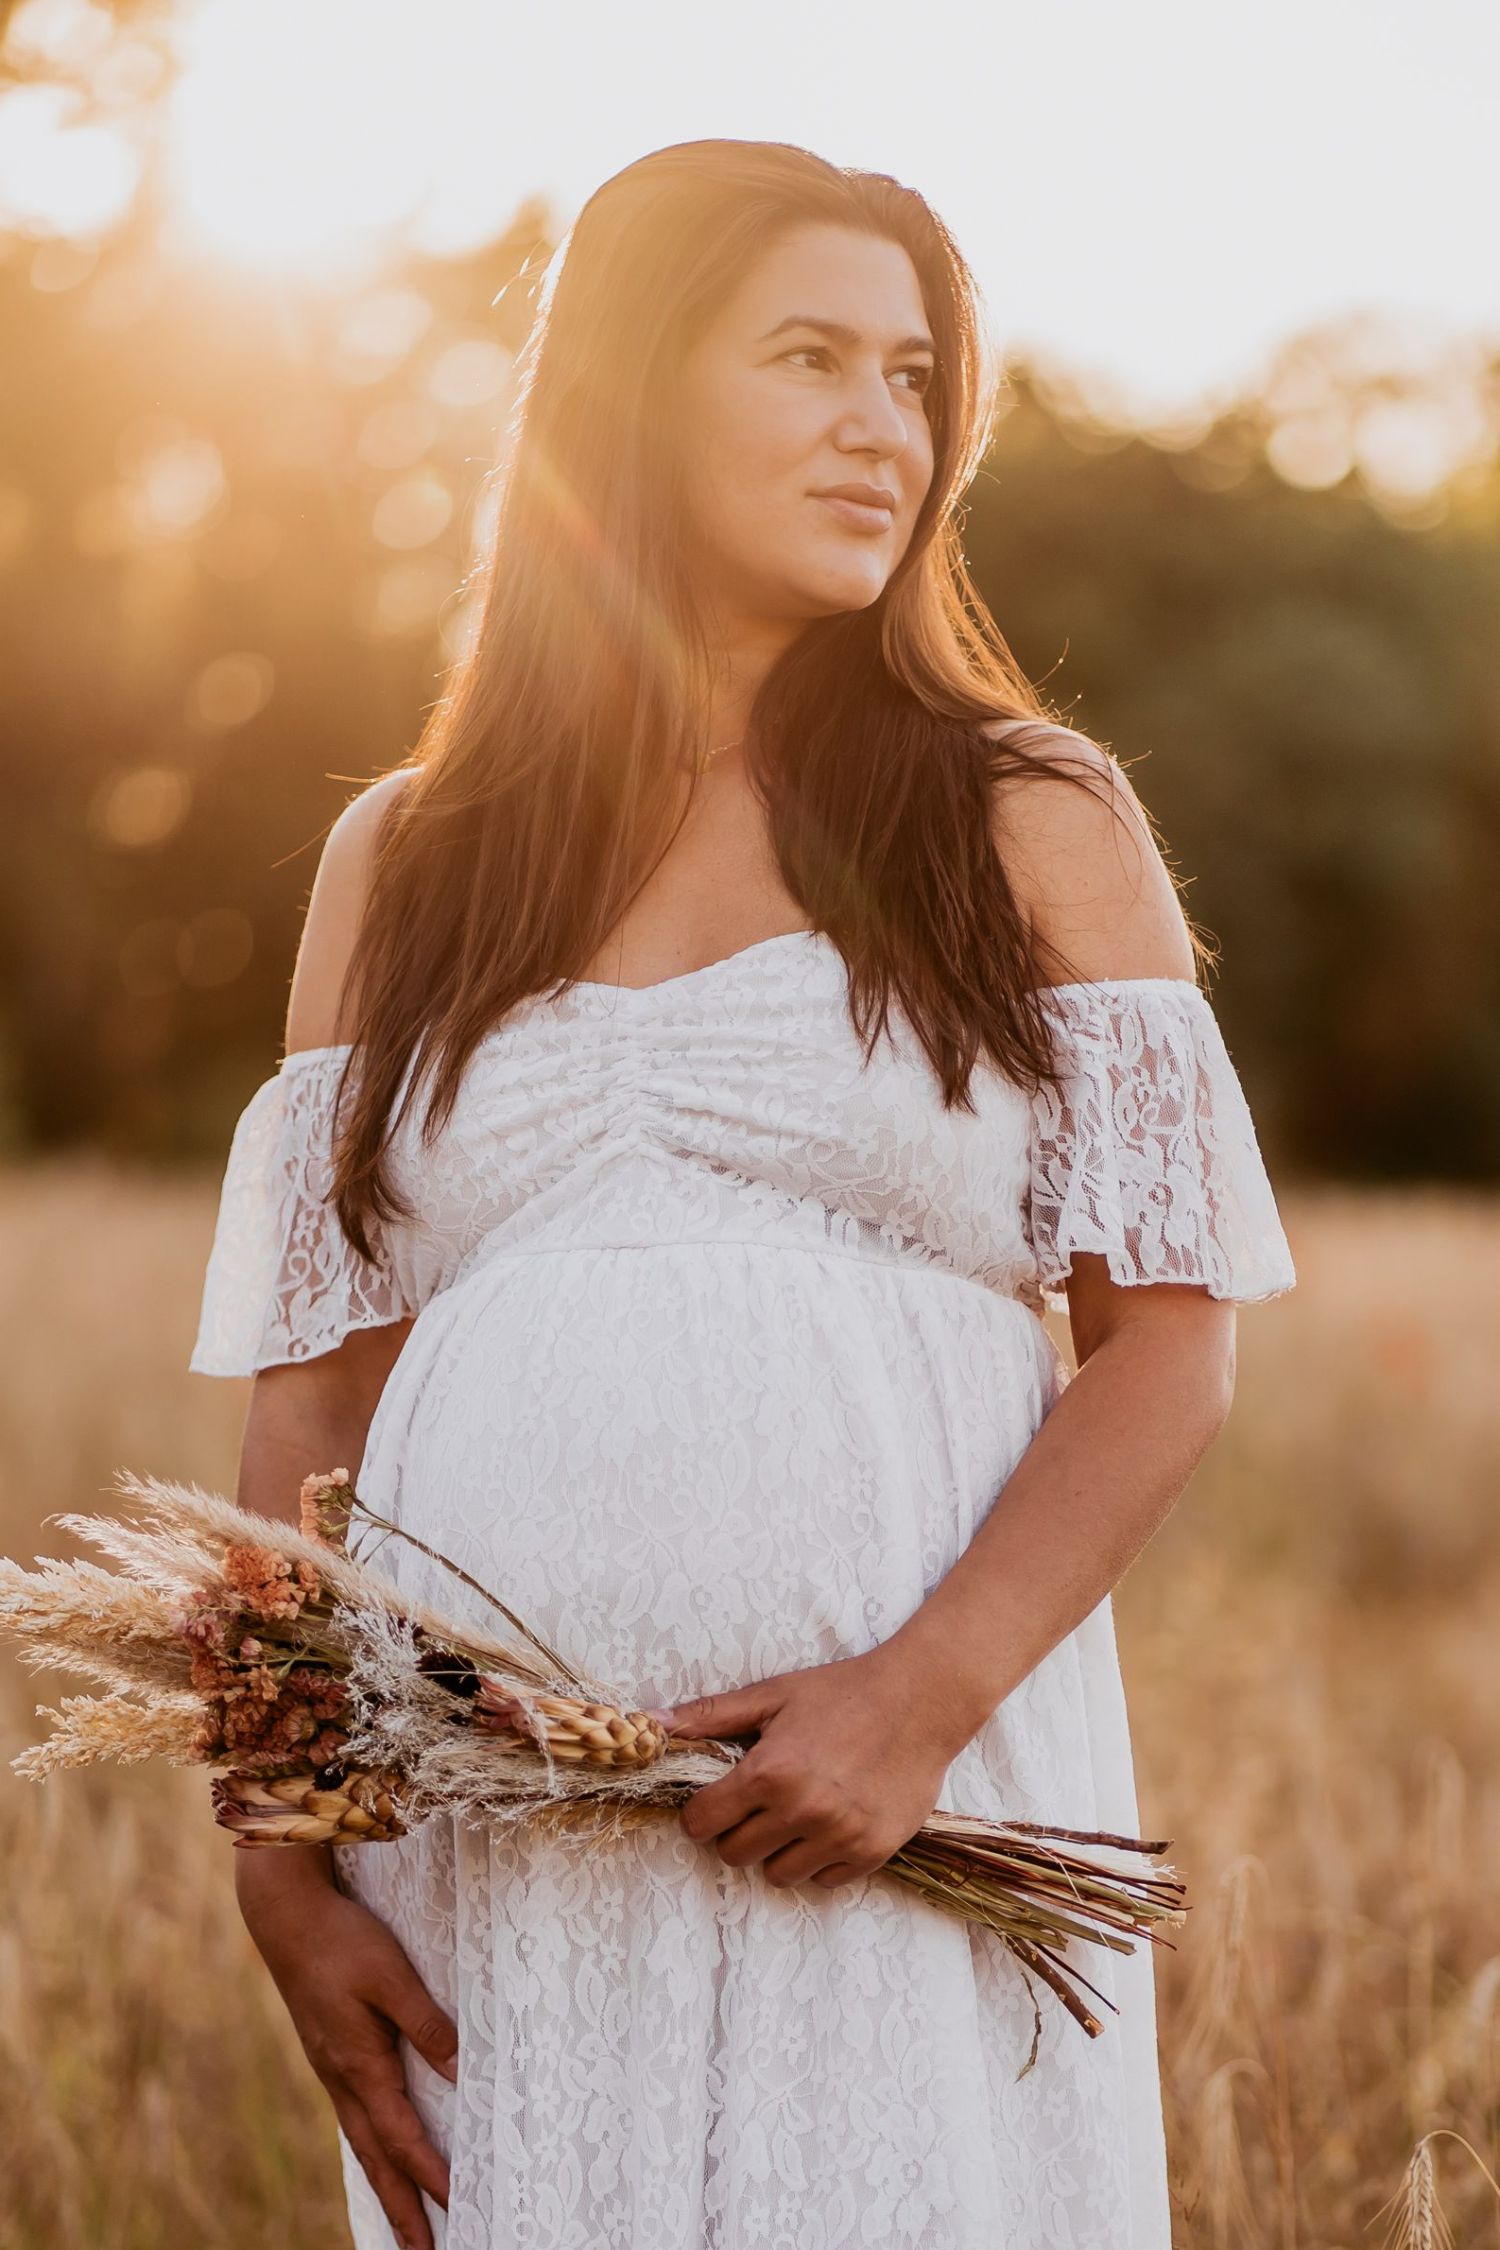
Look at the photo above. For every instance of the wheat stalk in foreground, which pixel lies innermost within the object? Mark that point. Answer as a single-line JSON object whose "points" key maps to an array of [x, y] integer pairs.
{"points": [[1416, 2220], [335, 1710]]}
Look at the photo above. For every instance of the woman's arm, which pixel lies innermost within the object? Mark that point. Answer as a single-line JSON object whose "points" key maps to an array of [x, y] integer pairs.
{"points": [[1155, 1362], [852, 1754], [1102, 1473], [308, 1416], [349, 1987], [311, 1415]]}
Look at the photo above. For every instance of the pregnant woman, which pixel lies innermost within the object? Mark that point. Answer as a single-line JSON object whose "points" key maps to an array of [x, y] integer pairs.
{"points": [[707, 1060]]}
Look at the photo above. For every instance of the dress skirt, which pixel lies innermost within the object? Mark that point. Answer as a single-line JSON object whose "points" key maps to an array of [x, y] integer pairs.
{"points": [[689, 1465], [726, 1336]]}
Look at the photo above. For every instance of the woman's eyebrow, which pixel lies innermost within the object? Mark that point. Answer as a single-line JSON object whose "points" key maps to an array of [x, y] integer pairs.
{"points": [[842, 333]]}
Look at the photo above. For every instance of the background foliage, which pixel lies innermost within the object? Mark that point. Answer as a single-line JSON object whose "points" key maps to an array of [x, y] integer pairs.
{"points": [[236, 518], [236, 515]]}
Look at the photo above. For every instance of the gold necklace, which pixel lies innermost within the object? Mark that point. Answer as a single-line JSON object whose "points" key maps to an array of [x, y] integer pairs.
{"points": [[704, 758]]}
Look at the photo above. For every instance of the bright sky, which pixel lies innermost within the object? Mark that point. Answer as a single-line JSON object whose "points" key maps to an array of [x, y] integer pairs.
{"points": [[1155, 193]]}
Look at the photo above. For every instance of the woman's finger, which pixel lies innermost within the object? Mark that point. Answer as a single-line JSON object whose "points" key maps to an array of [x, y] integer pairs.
{"points": [[754, 1839], [378, 2084], [396, 2191], [842, 1873], [803, 1860], [416, 2014], [716, 1807]]}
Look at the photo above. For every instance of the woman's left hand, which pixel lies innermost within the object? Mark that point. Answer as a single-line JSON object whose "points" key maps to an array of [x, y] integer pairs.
{"points": [[848, 1764]]}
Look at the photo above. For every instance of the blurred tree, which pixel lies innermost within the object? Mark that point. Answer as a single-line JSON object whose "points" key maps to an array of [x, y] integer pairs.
{"points": [[235, 519], [1308, 699], [236, 516]]}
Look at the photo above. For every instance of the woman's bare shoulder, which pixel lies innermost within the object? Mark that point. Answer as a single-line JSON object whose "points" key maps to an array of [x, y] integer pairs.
{"points": [[335, 911], [1085, 863]]}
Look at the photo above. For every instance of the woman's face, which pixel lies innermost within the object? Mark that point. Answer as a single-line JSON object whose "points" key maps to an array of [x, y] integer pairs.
{"points": [[812, 376]]}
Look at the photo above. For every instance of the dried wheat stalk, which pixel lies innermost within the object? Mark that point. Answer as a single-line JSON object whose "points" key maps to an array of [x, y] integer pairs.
{"points": [[346, 1713]]}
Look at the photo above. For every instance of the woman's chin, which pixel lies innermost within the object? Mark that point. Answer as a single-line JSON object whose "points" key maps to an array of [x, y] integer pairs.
{"points": [[830, 590]]}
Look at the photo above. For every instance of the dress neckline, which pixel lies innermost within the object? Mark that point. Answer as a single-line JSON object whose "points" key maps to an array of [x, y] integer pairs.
{"points": [[689, 976], [626, 995], [817, 938]]}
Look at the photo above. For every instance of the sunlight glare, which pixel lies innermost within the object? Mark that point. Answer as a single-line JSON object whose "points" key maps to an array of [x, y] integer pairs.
{"points": [[294, 138], [57, 176]]}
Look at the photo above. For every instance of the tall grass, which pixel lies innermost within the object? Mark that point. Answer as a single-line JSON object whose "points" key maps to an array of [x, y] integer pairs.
{"points": [[1311, 1647]]}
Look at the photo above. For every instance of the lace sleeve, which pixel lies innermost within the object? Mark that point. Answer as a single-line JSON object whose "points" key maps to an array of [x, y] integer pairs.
{"points": [[1149, 1156], [282, 1281]]}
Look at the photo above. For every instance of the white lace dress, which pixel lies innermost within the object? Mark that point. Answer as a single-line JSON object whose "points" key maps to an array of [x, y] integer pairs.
{"points": [[726, 1345]]}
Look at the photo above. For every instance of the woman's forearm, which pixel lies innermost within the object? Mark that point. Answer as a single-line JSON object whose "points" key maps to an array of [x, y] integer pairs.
{"points": [[297, 1423], [309, 1416], [1101, 1474], [313, 1415]]}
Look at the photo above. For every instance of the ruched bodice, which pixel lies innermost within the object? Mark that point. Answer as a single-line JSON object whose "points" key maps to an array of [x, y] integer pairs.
{"points": [[736, 1103], [726, 1340]]}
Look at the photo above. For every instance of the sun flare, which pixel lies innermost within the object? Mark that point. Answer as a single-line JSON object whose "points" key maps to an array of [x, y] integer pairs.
{"points": [[294, 137]]}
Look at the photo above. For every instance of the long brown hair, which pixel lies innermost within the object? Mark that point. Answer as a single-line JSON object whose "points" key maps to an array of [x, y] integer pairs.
{"points": [[548, 783]]}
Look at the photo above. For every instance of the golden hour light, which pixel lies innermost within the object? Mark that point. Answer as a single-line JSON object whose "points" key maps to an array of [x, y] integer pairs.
{"points": [[292, 137], [59, 173], [749, 837]]}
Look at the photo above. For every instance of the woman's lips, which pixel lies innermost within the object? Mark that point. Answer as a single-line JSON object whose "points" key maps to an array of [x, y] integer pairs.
{"points": [[859, 515]]}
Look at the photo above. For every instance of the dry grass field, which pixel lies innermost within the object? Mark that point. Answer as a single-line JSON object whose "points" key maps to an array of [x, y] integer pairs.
{"points": [[1312, 1650]]}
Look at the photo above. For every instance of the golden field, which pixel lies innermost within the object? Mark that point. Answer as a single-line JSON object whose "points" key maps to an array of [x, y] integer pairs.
{"points": [[1311, 1647]]}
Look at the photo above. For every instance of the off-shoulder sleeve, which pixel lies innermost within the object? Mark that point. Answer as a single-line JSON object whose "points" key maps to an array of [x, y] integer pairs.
{"points": [[283, 1282], [1148, 1157]]}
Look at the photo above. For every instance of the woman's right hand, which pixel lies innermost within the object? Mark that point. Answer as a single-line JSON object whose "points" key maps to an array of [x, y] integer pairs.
{"points": [[352, 1991]]}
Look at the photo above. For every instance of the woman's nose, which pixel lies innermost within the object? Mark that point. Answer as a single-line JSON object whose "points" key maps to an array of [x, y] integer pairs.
{"points": [[870, 417]]}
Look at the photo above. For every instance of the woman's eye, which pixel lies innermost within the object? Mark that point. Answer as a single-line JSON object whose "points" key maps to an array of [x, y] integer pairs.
{"points": [[921, 369]]}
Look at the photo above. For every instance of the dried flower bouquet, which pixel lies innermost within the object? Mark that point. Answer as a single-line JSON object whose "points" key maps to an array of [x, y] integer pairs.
{"points": [[338, 1711]]}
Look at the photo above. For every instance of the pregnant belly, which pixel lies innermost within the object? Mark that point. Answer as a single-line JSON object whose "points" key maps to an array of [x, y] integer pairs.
{"points": [[695, 1464]]}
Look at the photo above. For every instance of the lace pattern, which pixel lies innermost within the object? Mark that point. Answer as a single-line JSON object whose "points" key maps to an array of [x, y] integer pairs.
{"points": [[742, 1105], [283, 1283], [726, 1340], [1148, 1157]]}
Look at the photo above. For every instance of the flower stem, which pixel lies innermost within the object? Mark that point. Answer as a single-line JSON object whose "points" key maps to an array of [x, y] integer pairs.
{"points": [[360, 1507]]}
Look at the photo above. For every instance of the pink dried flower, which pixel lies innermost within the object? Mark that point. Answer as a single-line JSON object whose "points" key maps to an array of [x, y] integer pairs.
{"points": [[201, 1619], [325, 1502]]}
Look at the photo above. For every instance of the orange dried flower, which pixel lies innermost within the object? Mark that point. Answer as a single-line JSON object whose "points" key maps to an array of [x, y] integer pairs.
{"points": [[267, 1582]]}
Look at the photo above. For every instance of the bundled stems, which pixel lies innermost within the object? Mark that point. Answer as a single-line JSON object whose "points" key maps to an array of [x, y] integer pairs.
{"points": [[336, 1710]]}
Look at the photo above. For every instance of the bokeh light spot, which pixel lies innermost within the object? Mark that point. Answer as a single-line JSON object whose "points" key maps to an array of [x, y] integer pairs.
{"points": [[402, 602], [137, 810], [231, 690], [397, 434], [377, 333], [413, 512], [469, 373]]}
